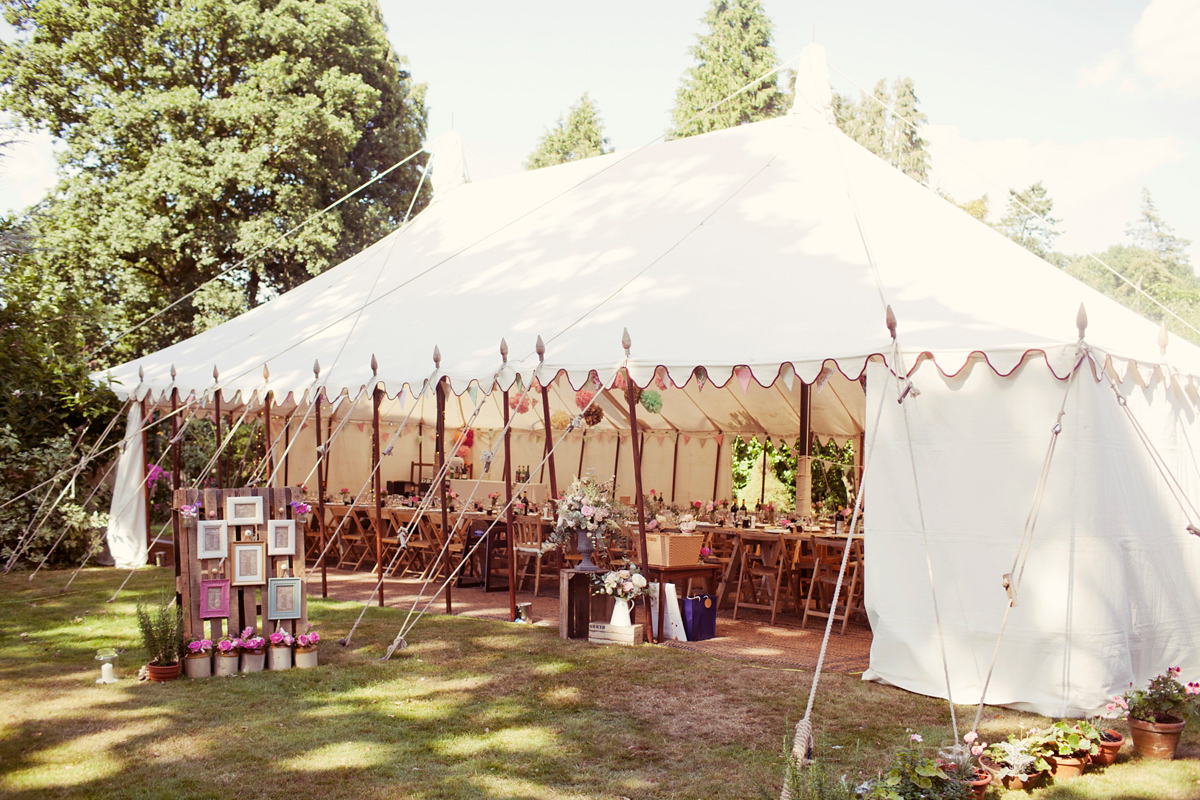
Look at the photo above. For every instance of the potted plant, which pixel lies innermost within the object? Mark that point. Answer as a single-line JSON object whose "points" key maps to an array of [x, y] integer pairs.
{"points": [[306, 649], [625, 586], [959, 760], [198, 661], [913, 776], [279, 653], [1158, 713], [586, 513], [161, 626], [1066, 747], [254, 651], [228, 654], [1108, 740], [1017, 763]]}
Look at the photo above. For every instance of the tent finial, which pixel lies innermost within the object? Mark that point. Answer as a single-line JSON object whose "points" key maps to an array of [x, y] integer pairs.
{"points": [[1081, 320], [374, 365], [266, 373], [172, 373], [437, 357], [891, 322], [216, 373], [316, 368], [504, 350], [626, 342], [1163, 339], [541, 350], [141, 374]]}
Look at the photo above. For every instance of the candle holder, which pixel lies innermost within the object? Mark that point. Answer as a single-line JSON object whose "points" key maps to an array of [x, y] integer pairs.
{"points": [[107, 657]]}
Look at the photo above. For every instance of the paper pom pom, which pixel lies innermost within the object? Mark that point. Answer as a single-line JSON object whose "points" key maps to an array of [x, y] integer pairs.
{"points": [[469, 439], [652, 401], [464, 452], [619, 380], [559, 420], [583, 397], [660, 382], [593, 416], [519, 404]]}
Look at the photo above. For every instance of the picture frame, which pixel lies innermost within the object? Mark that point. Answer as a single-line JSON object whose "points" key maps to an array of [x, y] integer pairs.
{"points": [[214, 599], [281, 537], [243, 510], [248, 561], [285, 598], [212, 539]]}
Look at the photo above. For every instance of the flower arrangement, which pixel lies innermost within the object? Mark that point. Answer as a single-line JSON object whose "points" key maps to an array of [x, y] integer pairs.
{"points": [[252, 643], [229, 645], [300, 509], [687, 524], [623, 584], [190, 511], [308, 639], [1165, 697], [281, 638], [586, 506], [960, 758], [199, 647]]}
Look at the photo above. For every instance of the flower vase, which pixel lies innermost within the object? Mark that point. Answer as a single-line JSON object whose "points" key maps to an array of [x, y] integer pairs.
{"points": [[198, 665], [227, 664], [306, 657], [584, 543], [279, 656], [620, 615], [253, 660]]}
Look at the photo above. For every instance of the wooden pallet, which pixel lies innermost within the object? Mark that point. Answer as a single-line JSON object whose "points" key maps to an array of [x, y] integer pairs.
{"points": [[604, 633]]}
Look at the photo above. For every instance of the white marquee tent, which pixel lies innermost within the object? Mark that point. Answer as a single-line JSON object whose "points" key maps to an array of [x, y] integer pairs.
{"points": [[767, 254]]}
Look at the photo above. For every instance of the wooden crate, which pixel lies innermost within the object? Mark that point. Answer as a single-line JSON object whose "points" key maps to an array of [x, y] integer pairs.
{"points": [[604, 633], [674, 549]]}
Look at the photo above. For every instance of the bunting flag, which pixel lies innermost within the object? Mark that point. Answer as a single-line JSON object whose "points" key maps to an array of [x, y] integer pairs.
{"points": [[703, 442], [687, 439], [788, 375], [400, 397], [822, 378], [362, 426], [473, 393], [661, 440], [720, 439], [743, 376]]}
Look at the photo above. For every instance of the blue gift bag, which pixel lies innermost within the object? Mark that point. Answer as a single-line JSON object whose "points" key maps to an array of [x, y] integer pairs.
{"points": [[700, 617]]}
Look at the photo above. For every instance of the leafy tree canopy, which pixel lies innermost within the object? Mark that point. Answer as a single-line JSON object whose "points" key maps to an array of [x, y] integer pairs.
{"points": [[579, 136], [895, 135], [736, 50], [1027, 220], [196, 133]]}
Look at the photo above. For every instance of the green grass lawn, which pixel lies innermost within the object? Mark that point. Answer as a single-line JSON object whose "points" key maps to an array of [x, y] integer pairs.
{"points": [[473, 708]]}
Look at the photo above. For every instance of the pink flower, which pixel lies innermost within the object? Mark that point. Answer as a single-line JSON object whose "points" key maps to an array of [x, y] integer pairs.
{"points": [[705, 552], [225, 645], [247, 633], [277, 637], [970, 737], [916, 737], [587, 511], [977, 750], [652, 524]]}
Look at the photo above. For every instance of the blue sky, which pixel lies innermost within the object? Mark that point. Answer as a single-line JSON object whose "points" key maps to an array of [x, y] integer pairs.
{"points": [[1096, 99]]}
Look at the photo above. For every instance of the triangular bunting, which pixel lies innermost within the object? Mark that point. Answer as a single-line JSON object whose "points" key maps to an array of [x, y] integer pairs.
{"points": [[473, 393], [720, 439], [687, 439], [743, 376], [788, 375]]}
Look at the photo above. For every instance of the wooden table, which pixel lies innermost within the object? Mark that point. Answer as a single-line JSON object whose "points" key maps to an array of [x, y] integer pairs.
{"points": [[707, 572]]}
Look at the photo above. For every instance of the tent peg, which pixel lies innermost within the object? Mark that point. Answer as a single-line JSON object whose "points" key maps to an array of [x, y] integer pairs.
{"points": [[1081, 320]]}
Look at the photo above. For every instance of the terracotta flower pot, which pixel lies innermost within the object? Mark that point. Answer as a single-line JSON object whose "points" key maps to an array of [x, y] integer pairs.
{"points": [[1156, 739], [168, 673], [198, 665], [1108, 750], [1064, 768], [979, 781]]}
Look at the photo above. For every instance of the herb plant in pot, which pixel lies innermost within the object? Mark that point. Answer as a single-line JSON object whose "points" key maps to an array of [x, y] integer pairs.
{"points": [[1066, 747], [1158, 713], [1016, 763], [161, 626]]}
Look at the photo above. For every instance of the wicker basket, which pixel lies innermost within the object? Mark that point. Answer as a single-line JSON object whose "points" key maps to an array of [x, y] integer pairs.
{"points": [[674, 549]]}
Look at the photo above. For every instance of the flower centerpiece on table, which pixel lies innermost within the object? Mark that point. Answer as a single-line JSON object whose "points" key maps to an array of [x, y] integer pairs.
{"points": [[687, 524], [586, 513]]}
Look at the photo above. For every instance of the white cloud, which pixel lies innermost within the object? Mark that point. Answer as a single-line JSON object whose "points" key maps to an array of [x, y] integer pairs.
{"points": [[27, 170], [1095, 185], [1166, 43], [1105, 71]]}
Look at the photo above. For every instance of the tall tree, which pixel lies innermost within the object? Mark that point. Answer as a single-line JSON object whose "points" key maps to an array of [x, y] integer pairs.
{"points": [[1152, 233], [736, 50], [579, 136], [889, 125], [197, 132], [1027, 220]]}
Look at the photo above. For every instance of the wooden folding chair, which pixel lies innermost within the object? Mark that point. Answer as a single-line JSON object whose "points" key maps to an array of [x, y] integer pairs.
{"points": [[349, 542], [528, 537], [766, 573], [827, 562]]}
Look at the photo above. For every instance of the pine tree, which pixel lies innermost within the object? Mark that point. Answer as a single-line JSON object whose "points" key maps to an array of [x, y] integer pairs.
{"points": [[1152, 233], [579, 136], [889, 125], [1027, 220], [735, 51]]}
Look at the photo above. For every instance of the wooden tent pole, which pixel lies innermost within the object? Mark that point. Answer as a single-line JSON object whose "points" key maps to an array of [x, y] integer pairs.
{"points": [[377, 399], [762, 495], [287, 441], [675, 466], [508, 498], [717, 468], [145, 465], [321, 501], [176, 467], [637, 486], [804, 461], [217, 420], [270, 451], [617, 464], [549, 439], [441, 459]]}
